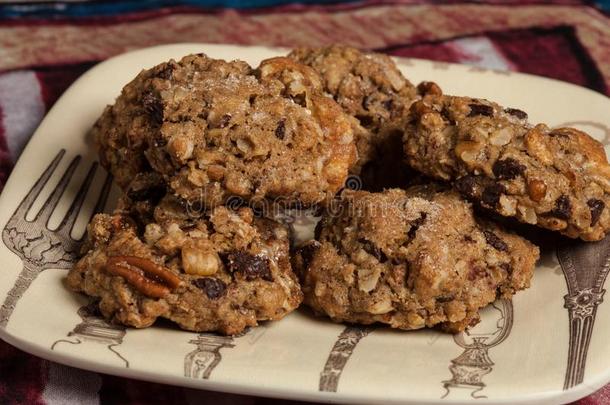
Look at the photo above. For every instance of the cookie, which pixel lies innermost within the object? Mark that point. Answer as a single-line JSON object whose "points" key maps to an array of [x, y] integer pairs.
{"points": [[558, 179], [371, 89], [211, 130], [411, 260], [221, 272]]}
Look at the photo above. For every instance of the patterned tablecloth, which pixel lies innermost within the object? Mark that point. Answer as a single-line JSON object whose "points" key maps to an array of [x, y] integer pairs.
{"points": [[45, 46]]}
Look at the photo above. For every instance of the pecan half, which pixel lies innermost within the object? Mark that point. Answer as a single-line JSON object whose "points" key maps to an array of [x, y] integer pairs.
{"points": [[149, 278]]}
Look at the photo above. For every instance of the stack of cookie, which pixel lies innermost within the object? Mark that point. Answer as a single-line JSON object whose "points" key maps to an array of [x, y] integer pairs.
{"points": [[206, 151]]}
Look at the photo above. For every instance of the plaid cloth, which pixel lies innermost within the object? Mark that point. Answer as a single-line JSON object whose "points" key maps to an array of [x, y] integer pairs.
{"points": [[45, 46]]}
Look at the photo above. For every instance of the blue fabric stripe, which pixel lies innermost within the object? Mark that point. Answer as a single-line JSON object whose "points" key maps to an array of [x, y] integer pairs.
{"points": [[109, 8]]}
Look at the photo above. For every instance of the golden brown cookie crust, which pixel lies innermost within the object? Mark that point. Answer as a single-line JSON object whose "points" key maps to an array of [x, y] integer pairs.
{"points": [[214, 129], [558, 179], [220, 272], [410, 259]]}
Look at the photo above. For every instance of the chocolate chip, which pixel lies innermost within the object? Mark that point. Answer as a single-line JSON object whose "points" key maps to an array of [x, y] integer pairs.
{"points": [[522, 115], [491, 194], [468, 238], [495, 241], [252, 267], [508, 169], [213, 287], [280, 130], [370, 248], [596, 207], [445, 298], [153, 193], [480, 109], [153, 107], [416, 224], [224, 120], [563, 207]]}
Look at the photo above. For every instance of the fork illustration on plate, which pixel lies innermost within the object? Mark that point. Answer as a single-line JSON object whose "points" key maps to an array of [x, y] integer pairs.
{"points": [[39, 247], [94, 328], [585, 267], [469, 368], [339, 355]]}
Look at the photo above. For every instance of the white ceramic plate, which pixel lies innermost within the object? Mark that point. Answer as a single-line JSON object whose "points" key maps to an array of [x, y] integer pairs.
{"points": [[540, 348]]}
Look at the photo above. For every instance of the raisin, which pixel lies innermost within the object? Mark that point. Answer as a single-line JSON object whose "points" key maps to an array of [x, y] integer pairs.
{"points": [[445, 298], [224, 120], [563, 207], [446, 114], [495, 241], [596, 207], [251, 266], [388, 104], [307, 252], [416, 224], [491, 194], [506, 267], [522, 115], [153, 107], [166, 72], [213, 287], [476, 272], [370, 248], [365, 120], [480, 109], [367, 102], [153, 193], [467, 185], [508, 169], [280, 130]]}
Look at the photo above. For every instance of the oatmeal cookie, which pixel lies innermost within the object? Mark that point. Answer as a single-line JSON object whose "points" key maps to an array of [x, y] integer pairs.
{"points": [[411, 260], [220, 272], [558, 179], [371, 89], [212, 129]]}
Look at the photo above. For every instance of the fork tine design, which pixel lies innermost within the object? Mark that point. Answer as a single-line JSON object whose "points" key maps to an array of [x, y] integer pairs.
{"points": [[39, 247], [29, 199], [67, 223], [49, 205]]}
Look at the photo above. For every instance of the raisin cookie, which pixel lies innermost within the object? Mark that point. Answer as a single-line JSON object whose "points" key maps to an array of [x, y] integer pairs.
{"points": [[221, 272], [411, 260], [371, 89], [558, 179], [212, 129]]}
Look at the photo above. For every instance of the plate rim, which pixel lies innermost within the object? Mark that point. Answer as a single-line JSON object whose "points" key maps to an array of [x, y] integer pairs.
{"points": [[557, 395]]}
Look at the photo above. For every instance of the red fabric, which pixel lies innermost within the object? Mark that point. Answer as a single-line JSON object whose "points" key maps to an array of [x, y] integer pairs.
{"points": [[22, 375]]}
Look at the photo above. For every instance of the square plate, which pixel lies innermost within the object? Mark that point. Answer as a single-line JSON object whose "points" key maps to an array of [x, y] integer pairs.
{"points": [[550, 344]]}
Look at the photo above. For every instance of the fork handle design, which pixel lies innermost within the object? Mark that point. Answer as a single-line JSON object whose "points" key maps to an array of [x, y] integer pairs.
{"points": [[582, 307], [24, 281], [339, 355]]}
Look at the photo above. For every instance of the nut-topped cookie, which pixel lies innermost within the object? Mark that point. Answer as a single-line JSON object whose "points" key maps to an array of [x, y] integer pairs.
{"points": [[411, 260], [558, 179], [213, 129], [222, 271], [371, 89]]}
